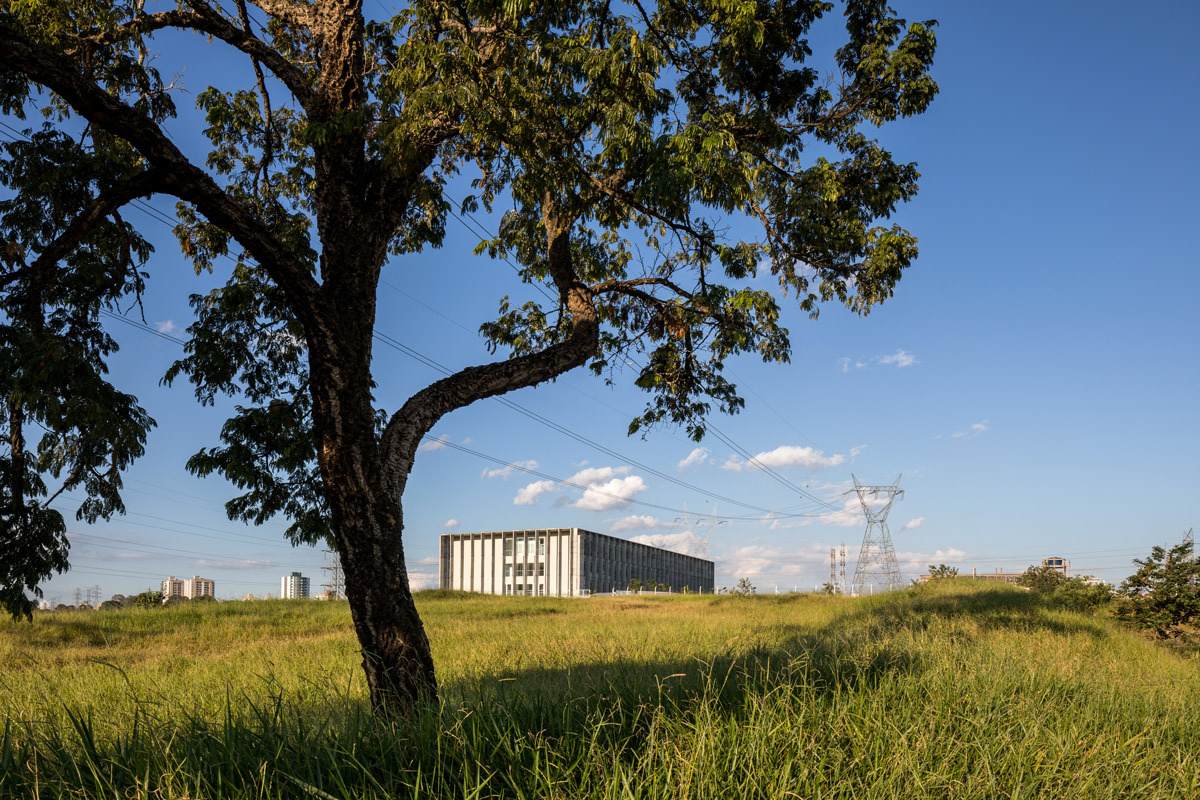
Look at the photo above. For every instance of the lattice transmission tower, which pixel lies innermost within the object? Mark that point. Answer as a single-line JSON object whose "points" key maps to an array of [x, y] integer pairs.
{"points": [[333, 565], [877, 558], [702, 527]]}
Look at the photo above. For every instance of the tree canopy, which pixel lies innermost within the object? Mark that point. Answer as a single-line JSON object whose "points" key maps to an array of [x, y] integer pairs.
{"points": [[632, 147]]}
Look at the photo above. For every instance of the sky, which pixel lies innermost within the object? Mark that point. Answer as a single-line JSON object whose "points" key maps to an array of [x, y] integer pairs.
{"points": [[1033, 381]]}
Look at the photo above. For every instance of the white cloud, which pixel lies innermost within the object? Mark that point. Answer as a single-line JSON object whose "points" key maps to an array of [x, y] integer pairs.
{"points": [[855, 451], [786, 456], [614, 494], [697, 456], [450, 523], [901, 358], [848, 364], [433, 444], [641, 522], [528, 495], [123, 556], [422, 580], [507, 470], [971, 432], [593, 475], [682, 542], [166, 326], [913, 524]]}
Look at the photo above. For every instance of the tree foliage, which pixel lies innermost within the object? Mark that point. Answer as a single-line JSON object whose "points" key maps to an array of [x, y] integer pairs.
{"points": [[650, 162], [1163, 596], [942, 571]]}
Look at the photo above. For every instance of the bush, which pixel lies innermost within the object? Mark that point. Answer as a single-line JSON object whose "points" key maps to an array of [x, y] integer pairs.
{"points": [[1081, 594]]}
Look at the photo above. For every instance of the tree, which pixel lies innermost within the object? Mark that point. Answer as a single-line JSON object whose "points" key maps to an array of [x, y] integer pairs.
{"points": [[635, 585], [1042, 579], [1164, 594], [744, 587], [151, 598], [942, 571], [829, 588], [634, 147]]}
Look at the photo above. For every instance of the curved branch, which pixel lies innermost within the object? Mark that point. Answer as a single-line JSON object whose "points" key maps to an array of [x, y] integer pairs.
{"points": [[142, 185], [417, 417], [180, 177], [206, 19]]}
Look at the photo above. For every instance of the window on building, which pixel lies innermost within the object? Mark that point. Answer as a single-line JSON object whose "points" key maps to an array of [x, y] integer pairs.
{"points": [[541, 569], [541, 589], [541, 546], [508, 547], [508, 570]]}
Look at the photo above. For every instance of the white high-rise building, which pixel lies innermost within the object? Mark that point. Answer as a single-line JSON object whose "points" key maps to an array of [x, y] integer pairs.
{"points": [[190, 588], [293, 587]]}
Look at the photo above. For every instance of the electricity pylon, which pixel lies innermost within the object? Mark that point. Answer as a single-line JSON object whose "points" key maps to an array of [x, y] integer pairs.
{"points": [[701, 527], [333, 565], [877, 558]]}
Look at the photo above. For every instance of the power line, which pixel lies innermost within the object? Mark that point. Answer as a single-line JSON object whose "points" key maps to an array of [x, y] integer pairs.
{"points": [[395, 344]]}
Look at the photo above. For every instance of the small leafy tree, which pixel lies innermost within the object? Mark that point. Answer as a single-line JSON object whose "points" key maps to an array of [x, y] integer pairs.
{"points": [[941, 571], [829, 588], [744, 587], [1163, 595], [635, 585], [150, 598], [1042, 579]]}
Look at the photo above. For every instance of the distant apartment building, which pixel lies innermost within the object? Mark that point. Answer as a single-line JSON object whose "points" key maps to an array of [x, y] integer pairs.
{"points": [[293, 587], [191, 588], [562, 562]]}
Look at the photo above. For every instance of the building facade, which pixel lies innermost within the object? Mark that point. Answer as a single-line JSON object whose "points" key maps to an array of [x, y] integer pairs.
{"points": [[190, 588], [561, 562], [293, 587]]}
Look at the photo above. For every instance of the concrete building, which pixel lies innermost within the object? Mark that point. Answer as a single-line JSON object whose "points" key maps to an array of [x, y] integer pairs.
{"points": [[293, 587], [190, 588], [561, 562]]}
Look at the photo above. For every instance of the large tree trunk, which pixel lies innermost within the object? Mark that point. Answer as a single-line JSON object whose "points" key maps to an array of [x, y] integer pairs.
{"points": [[367, 521]]}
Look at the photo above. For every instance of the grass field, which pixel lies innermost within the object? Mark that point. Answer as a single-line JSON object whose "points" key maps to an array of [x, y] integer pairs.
{"points": [[957, 691]]}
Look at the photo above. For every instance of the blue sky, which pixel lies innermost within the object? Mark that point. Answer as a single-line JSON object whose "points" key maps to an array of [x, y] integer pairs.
{"points": [[1034, 378]]}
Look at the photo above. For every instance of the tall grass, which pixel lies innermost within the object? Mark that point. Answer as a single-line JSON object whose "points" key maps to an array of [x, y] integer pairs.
{"points": [[956, 691]]}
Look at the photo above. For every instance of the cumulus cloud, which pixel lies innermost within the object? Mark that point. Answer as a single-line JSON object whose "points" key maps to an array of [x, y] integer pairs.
{"points": [[641, 522], [594, 475], [681, 542], [528, 495], [848, 364], [422, 580], [785, 456], [433, 444], [913, 524], [166, 326], [697, 456], [616, 493], [450, 523], [507, 469]]}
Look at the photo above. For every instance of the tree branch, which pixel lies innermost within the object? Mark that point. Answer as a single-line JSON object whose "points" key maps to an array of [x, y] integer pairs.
{"points": [[422, 411], [206, 19], [180, 177], [104, 204]]}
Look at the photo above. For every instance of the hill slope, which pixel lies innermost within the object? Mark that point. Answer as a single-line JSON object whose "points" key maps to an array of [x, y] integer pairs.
{"points": [[961, 691]]}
